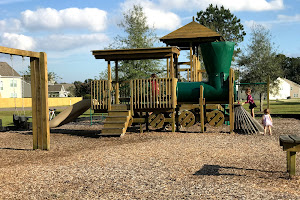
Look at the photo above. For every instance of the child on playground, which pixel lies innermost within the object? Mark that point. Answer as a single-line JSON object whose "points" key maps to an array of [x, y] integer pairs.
{"points": [[250, 100], [267, 121]]}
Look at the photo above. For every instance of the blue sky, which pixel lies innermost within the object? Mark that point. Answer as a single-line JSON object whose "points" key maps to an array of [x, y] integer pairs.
{"points": [[68, 30]]}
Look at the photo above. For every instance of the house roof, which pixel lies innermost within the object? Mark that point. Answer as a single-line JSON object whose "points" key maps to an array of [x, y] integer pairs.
{"points": [[7, 70], [291, 82], [55, 88], [68, 86], [191, 32]]}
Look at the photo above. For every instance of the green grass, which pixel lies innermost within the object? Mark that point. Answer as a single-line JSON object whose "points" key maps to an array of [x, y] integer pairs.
{"points": [[289, 106]]}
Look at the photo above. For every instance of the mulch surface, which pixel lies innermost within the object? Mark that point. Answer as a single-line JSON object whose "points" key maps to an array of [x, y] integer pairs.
{"points": [[149, 165]]}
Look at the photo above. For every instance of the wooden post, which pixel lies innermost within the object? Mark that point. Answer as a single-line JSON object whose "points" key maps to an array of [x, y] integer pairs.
{"points": [[191, 63], [131, 97], [168, 68], [202, 103], [231, 99], [174, 102], [43, 101], [117, 83], [292, 165], [109, 85], [172, 67], [34, 63], [268, 92]]}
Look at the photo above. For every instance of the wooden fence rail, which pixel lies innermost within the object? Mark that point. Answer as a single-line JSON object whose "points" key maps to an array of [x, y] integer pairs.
{"points": [[100, 95], [153, 93]]}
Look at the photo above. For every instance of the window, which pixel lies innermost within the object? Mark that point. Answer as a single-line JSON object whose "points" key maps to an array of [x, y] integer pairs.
{"points": [[1, 85], [13, 95], [13, 83], [291, 88], [295, 95]]}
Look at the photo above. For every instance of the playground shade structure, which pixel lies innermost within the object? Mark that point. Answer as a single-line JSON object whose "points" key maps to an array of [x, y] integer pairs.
{"points": [[71, 113]]}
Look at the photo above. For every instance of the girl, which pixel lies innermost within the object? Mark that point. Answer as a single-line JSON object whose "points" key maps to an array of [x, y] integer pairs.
{"points": [[267, 121], [250, 100]]}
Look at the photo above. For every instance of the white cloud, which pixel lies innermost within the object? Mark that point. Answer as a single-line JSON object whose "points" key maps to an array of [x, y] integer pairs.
{"points": [[17, 41], [156, 17], [281, 19], [70, 42], [92, 19], [233, 5], [285, 18], [10, 25]]}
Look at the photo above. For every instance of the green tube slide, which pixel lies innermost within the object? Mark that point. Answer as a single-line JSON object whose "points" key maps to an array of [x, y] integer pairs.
{"points": [[217, 58]]}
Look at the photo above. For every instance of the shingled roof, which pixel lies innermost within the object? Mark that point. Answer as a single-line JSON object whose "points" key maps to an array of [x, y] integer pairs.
{"points": [[7, 70], [191, 32]]}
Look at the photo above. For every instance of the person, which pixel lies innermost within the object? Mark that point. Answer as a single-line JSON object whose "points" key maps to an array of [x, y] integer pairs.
{"points": [[154, 86], [267, 121], [250, 100]]}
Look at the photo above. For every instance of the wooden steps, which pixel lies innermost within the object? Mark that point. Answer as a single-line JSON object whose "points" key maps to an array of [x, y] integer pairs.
{"points": [[117, 121]]}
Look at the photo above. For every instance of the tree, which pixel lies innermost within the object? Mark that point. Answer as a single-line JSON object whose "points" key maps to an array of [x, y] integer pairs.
{"points": [[260, 61], [223, 22], [291, 67], [83, 89], [52, 76], [138, 35]]}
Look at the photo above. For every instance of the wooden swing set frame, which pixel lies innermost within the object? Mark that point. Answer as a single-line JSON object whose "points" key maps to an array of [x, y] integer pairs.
{"points": [[39, 91]]}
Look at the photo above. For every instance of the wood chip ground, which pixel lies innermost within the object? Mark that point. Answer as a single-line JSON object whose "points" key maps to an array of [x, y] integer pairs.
{"points": [[154, 165]]}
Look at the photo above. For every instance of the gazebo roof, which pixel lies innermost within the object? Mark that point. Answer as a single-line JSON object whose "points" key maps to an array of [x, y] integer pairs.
{"points": [[191, 32], [136, 54]]}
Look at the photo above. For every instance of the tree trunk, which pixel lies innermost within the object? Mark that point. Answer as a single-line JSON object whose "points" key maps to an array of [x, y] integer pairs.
{"points": [[261, 100]]}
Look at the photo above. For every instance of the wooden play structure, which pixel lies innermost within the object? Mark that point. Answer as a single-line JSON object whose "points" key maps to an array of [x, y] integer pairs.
{"points": [[178, 103], [39, 90]]}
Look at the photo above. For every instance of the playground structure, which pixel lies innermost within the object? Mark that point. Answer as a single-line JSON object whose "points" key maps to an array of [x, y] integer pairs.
{"points": [[177, 103], [39, 90]]}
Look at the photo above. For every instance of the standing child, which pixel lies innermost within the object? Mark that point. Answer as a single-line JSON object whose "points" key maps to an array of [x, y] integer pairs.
{"points": [[250, 100], [267, 121]]}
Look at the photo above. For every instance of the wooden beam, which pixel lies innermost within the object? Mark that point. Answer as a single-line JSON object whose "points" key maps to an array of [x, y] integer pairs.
{"points": [[19, 52]]}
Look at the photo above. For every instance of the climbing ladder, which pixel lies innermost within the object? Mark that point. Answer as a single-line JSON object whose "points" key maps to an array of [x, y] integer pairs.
{"points": [[117, 121]]}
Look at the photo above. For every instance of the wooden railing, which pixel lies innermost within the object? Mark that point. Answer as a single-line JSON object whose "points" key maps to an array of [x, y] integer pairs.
{"points": [[100, 95], [153, 93]]}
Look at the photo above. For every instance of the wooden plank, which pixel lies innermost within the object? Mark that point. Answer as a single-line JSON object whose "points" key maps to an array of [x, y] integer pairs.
{"points": [[296, 138], [109, 85], [285, 139], [19, 52]]}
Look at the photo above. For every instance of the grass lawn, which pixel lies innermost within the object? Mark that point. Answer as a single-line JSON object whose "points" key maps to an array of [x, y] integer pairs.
{"points": [[288, 106]]}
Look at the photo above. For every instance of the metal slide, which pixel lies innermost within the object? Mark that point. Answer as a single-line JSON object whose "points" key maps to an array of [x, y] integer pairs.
{"points": [[71, 113]]}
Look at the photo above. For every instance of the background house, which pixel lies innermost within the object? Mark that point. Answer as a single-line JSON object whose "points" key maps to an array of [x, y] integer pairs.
{"points": [[57, 90], [10, 82], [287, 89]]}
